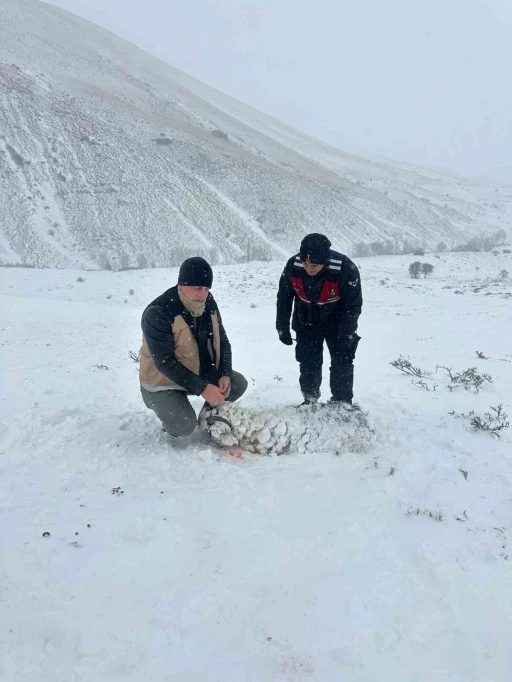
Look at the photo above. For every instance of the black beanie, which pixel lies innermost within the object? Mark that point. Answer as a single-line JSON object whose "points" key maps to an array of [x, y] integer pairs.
{"points": [[195, 272], [315, 248]]}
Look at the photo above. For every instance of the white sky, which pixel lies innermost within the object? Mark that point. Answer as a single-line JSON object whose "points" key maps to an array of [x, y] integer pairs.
{"points": [[426, 81]]}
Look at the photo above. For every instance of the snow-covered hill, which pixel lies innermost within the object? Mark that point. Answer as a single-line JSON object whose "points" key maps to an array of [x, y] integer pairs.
{"points": [[194, 565], [112, 158]]}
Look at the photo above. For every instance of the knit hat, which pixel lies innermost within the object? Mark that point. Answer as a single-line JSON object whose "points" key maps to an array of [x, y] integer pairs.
{"points": [[195, 272], [315, 248]]}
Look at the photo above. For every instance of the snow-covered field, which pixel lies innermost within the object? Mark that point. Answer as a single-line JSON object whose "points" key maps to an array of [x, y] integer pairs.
{"points": [[192, 565]]}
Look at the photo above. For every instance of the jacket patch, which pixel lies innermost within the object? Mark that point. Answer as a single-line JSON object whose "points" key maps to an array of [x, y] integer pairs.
{"points": [[330, 291]]}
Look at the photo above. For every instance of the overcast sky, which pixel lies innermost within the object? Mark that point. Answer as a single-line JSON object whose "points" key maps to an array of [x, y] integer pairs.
{"points": [[426, 81]]}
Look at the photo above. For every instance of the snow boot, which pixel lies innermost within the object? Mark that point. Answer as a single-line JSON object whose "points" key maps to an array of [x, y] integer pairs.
{"points": [[309, 400]]}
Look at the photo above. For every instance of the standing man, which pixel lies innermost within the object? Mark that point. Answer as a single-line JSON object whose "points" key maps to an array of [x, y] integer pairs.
{"points": [[324, 288], [185, 351]]}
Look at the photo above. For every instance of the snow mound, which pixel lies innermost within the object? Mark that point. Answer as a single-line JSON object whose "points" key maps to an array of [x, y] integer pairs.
{"points": [[333, 428]]}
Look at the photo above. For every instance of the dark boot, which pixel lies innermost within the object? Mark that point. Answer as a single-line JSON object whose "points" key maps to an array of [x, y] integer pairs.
{"points": [[347, 404], [309, 400]]}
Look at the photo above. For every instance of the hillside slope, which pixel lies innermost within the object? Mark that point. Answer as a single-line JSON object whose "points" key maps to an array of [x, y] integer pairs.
{"points": [[110, 157]]}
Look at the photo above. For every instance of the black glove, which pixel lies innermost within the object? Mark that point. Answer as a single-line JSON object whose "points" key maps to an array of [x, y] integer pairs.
{"points": [[285, 337], [347, 346]]}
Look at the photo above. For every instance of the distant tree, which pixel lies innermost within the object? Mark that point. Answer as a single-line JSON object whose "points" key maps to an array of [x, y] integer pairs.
{"points": [[177, 256], [503, 274], [378, 248], [361, 250], [484, 242], [415, 269], [260, 252], [497, 238], [501, 237], [391, 247], [473, 246], [418, 252], [124, 261], [426, 269], [407, 247], [441, 247], [142, 262]]}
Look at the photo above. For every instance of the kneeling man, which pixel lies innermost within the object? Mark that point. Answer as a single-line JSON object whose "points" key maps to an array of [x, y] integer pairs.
{"points": [[185, 351]]}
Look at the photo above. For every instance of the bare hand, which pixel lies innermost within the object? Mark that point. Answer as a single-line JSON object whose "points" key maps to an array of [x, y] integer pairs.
{"points": [[213, 395], [225, 386]]}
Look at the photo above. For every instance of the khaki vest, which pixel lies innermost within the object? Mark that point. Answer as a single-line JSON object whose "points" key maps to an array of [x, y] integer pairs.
{"points": [[186, 351]]}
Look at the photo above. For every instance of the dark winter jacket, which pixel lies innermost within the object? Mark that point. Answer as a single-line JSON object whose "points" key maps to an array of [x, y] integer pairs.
{"points": [[331, 300], [181, 351]]}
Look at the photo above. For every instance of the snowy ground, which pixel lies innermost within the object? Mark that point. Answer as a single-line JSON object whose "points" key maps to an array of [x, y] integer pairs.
{"points": [[192, 565]]}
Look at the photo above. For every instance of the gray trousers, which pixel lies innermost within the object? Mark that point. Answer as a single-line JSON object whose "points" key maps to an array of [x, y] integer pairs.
{"points": [[174, 410]]}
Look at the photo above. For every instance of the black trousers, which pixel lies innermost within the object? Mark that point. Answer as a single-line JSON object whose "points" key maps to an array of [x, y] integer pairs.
{"points": [[309, 353]]}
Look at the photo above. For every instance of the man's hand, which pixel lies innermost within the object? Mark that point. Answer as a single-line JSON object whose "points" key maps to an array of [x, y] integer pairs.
{"points": [[347, 346], [285, 337], [213, 395], [225, 386]]}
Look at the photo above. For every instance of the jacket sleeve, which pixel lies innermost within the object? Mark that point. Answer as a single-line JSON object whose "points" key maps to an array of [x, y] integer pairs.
{"points": [[156, 327], [225, 363], [351, 299], [285, 296]]}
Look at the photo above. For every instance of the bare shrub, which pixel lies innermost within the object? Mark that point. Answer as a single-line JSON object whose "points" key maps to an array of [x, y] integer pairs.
{"points": [[493, 421], [405, 366], [134, 356], [416, 511], [423, 384], [468, 379]]}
